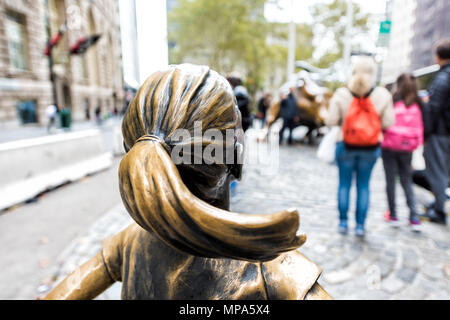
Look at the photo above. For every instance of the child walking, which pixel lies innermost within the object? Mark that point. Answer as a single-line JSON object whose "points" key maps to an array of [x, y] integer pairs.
{"points": [[398, 145]]}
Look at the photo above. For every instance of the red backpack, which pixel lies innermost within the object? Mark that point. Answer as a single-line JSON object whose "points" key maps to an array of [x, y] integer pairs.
{"points": [[362, 125]]}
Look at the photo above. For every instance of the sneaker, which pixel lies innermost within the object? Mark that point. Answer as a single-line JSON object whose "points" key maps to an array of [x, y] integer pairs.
{"points": [[415, 225], [359, 231], [391, 220], [343, 227], [435, 216]]}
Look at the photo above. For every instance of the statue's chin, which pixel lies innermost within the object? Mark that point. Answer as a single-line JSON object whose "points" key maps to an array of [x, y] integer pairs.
{"points": [[218, 197]]}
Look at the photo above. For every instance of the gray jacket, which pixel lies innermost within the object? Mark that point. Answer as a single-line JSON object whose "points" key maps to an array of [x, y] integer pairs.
{"points": [[436, 112]]}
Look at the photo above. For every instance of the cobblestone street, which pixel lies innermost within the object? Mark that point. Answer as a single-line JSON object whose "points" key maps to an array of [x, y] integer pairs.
{"points": [[388, 264]]}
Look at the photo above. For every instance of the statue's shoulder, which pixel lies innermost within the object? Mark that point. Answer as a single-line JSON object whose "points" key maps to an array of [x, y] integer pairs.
{"points": [[290, 276], [118, 248]]}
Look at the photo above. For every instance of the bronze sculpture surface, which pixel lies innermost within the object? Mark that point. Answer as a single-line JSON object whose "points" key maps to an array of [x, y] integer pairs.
{"points": [[185, 243], [312, 102]]}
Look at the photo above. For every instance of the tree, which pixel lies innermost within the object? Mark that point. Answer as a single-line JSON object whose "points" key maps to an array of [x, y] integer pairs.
{"points": [[278, 38], [233, 35], [331, 20], [225, 34]]}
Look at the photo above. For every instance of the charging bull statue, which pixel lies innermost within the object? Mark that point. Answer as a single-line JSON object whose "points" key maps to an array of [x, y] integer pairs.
{"points": [[312, 101]]}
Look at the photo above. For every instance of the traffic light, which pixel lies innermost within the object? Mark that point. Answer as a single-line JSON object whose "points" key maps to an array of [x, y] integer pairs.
{"points": [[55, 39], [81, 46]]}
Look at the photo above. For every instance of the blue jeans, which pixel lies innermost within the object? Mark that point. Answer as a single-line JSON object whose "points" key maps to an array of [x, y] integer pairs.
{"points": [[360, 162]]}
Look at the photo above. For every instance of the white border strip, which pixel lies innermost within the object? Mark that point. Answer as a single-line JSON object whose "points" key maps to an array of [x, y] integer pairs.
{"points": [[26, 143]]}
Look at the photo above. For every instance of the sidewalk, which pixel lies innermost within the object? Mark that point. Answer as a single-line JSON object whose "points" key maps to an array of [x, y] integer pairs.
{"points": [[33, 131], [388, 264], [88, 245]]}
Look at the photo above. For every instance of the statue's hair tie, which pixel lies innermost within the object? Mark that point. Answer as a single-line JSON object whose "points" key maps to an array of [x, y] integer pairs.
{"points": [[152, 137]]}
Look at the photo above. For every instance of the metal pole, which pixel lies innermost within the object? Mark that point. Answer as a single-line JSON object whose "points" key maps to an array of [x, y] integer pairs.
{"points": [[348, 34], [291, 48], [50, 54]]}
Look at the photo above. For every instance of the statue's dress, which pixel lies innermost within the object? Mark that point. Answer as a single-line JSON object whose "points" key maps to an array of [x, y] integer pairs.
{"points": [[150, 269]]}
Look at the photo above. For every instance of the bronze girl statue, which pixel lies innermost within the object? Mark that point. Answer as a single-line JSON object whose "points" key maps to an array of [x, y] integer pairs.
{"points": [[186, 244]]}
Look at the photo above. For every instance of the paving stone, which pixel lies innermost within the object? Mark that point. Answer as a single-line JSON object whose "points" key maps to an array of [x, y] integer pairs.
{"points": [[385, 265], [406, 274], [392, 285], [410, 258], [432, 271], [338, 276], [113, 293], [447, 270], [442, 244], [411, 293]]}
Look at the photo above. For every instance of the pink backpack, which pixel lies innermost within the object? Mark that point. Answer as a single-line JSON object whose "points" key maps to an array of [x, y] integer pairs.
{"points": [[407, 132]]}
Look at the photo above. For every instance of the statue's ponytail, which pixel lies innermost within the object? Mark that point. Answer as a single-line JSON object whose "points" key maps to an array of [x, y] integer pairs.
{"points": [[159, 201], [151, 185]]}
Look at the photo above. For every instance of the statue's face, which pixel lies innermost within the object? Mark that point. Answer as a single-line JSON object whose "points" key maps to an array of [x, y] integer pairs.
{"points": [[211, 183]]}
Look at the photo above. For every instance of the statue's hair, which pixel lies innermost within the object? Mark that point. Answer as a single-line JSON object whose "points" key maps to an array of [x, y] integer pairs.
{"points": [[151, 186]]}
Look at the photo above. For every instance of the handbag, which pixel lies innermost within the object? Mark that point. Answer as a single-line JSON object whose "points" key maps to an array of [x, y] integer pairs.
{"points": [[418, 161], [327, 147]]}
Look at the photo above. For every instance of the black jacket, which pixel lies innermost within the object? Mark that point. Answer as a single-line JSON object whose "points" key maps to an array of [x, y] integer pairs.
{"points": [[289, 108], [243, 102], [437, 111], [262, 107]]}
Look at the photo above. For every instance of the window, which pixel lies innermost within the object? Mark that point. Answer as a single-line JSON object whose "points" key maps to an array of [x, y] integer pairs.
{"points": [[27, 111], [17, 42]]}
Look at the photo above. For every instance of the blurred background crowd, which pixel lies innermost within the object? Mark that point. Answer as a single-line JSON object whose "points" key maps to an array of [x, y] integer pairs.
{"points": [[90, 56]]}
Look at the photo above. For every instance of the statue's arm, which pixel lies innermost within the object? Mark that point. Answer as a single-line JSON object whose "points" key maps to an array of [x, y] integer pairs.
{"points": [[85, 283], [317, 293], [292, 276]]}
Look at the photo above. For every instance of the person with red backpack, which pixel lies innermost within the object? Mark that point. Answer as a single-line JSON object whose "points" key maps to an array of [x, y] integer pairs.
{"points": [[400, 140], [363, 111]]}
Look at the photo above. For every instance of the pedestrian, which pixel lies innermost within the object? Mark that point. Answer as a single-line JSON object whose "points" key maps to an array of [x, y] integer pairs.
{"points": [[289, 113], [400, 140], [51, 112], [98, 115], [362, 110], [437, 133], [242, 98], [87, 113], [420, 179], [263, 106]]}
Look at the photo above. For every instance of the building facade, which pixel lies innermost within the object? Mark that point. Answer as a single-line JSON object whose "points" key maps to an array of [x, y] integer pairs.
{"points": [[402, 13], [130, 49], [82, 83], [432, 24]]}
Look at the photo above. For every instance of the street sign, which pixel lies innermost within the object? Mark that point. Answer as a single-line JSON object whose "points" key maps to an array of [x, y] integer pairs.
{"points": [[385, 32], [385, 27]]}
